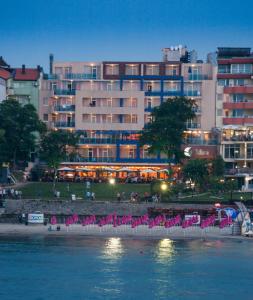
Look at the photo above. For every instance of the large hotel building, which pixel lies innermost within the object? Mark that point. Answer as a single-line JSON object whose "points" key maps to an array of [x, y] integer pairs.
{"points": [[109, 103]]}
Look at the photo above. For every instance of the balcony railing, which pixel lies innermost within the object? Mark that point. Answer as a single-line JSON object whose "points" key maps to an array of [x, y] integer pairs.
{"points": [[80, 76], [193, 93], [50, 76], [198, 77], [98, 141], [64, 108], [196, 141], [64, 124], [114, 159], [91, 159], [192, 125], [64, 92]]}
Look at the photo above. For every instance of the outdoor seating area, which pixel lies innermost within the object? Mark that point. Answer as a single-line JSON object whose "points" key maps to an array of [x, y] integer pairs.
{"points": [[102, 174]]}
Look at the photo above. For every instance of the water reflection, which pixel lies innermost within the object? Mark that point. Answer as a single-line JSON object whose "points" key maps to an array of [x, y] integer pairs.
{"points": [[113, 248], [165, 250]]}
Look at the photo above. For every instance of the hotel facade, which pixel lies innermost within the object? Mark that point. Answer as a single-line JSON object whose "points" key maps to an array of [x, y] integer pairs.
{"points": [[110, 102]]}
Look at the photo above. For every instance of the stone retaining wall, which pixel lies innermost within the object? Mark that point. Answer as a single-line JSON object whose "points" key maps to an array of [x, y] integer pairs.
{"points": [[68, 207]]}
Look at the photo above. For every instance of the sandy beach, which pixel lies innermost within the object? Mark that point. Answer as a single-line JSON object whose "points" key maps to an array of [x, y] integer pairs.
{"points": [[121, 231]]}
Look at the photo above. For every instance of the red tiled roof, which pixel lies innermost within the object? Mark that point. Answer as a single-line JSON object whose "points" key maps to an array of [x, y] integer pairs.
{"points": [[4, 74], [29, 74]]}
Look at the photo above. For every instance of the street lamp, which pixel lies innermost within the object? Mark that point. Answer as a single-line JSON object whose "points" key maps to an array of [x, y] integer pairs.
{"points": [[112, 181], [192, 187], [164, 187]]}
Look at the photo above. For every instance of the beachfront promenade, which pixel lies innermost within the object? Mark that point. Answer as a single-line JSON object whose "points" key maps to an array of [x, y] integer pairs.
{"points": [[120, 231]]}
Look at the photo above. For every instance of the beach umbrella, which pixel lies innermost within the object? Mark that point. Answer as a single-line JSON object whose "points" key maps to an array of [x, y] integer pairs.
{"points": [[108, 169], [148, 171], [53, 220], [83, 169], [66, 169], [163, 170], [124, 169]]}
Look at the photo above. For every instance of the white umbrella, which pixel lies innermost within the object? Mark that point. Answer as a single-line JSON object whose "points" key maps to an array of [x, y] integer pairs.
{"points": [[108, 169], [125, 169], [163, 170], [84, 170], [148, 171], [66, 169]]}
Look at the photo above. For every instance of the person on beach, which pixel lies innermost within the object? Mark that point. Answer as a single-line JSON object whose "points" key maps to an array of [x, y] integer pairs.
{"points": [[118, 197], [93, 196]]}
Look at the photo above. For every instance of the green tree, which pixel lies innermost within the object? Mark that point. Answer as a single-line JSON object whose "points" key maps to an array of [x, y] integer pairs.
{"points": [[196, 170], [164, 133], [218, 166], [54, 147], [19, 126]]}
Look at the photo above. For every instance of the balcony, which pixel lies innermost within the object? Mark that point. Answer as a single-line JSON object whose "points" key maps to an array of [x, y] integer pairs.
{"points": [[148, 109], [247, 89], [80, 76], [84, 141], [238, 105], [114, 159], [50, 76], [64, 124], [198, 77], [192, 125], [237, 120], [193, 93], [62, 92], [198, 141], [64, 108], [91, 159]]}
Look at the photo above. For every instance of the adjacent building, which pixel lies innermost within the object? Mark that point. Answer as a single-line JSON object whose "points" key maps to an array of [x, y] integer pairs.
{"points": [[5, 75], [24, 85], [234, 106]]}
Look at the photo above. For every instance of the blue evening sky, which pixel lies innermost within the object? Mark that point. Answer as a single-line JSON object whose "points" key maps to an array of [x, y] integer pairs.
{"points": [[119, 29]]}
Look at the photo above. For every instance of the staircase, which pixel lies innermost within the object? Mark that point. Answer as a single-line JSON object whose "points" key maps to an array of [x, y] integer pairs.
{"points": [[237, 227], [236, 230]]}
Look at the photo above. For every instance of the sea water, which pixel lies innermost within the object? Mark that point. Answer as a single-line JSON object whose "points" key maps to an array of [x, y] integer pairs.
{"points": [[66, 268]]}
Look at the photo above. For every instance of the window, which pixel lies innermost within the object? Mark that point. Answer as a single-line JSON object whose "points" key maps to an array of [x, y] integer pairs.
{"points": [[93, 119], [219, 112], [220, 97], [223, 82], [237, 113], [67, 70], [133, 118], [241, 68], [232, 151], [132, 70], [250, 151], [152, 69], [45, 117], [238, 82], [108, 118], [45, 101], [112, 69], [224, 69], [237, 98], [149, 103], [171, 70], [131, 153]]}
